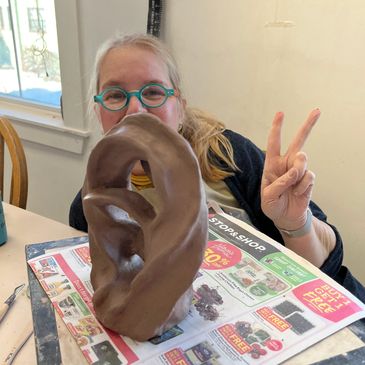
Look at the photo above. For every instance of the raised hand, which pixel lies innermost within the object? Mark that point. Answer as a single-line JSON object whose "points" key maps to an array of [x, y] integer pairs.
{"points": [[287, 185]]}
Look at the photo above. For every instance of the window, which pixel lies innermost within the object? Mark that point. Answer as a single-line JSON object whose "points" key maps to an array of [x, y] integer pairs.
{"points": [[37, 120], [36, 21], [29, 59]]}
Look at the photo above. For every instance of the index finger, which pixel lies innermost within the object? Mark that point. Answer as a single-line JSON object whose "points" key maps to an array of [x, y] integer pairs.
{"points": [[304, 131], [274, 140]]}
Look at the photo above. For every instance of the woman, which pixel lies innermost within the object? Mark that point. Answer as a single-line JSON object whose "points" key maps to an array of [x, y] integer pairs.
{"points": [[137, 74]]}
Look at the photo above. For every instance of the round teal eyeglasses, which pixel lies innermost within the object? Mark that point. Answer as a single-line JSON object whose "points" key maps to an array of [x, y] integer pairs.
{"points": [[151, 96]]}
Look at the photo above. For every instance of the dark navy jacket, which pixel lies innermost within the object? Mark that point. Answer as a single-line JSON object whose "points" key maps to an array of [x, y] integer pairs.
{"points": [[245, 187]]}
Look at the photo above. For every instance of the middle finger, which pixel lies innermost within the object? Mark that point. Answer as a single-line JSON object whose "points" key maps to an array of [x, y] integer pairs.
{"points": [[304, 131]]}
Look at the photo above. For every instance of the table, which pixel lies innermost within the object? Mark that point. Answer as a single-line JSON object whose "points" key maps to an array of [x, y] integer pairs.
{"points": [[25, 227]]}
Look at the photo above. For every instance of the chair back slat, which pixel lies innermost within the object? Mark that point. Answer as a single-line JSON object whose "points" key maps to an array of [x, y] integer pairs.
{"points": [[19, 176]]}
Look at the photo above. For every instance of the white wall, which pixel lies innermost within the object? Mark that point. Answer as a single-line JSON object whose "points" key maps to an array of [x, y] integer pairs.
{"points": [[244, 72]]}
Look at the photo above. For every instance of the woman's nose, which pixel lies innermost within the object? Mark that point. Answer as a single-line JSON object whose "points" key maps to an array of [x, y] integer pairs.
{"points": [[135, 106]]}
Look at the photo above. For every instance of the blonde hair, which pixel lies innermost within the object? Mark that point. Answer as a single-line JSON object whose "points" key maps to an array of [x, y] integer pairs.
{"points": [[203, 131]]}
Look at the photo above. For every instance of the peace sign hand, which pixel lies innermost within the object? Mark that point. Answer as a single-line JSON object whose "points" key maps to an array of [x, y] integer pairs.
{"points": [[286, 185]]}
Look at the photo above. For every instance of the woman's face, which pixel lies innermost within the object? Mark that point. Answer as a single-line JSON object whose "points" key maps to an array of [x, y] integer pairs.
{"points": [[131, 68]]}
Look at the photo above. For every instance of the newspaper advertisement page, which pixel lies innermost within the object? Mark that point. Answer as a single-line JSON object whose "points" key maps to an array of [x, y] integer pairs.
{"points": [[255, 302]]}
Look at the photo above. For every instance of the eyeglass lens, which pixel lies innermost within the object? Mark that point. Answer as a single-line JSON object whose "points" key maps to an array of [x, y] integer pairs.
{"points": [[150, 95]]}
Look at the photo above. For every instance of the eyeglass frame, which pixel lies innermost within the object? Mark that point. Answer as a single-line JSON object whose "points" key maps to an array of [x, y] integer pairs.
{"points": [[137, 93]]}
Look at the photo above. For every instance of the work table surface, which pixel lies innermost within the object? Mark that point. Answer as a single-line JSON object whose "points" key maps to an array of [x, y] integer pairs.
{"points": [[25, 227]]}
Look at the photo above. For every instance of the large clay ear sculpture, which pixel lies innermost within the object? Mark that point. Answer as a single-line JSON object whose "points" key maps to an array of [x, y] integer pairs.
{"points": [[144, 257]]}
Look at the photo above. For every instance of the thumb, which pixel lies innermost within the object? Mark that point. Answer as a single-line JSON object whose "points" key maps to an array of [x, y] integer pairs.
{"points": [[281, 184]]}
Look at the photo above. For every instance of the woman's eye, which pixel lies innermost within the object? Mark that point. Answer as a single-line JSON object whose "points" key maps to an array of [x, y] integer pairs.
{"points": [[153, 92], [114, 96]]}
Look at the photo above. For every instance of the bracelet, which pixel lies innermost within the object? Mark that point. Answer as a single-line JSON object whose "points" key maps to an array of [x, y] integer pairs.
{"points": [[301, 231]]}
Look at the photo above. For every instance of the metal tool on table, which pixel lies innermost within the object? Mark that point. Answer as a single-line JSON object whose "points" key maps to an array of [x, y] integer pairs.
{"points": [[25, 334], [10, 301]]}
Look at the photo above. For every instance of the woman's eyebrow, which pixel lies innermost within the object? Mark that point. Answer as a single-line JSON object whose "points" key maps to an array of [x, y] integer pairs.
{"points": [[156, 81], [110, 83]]}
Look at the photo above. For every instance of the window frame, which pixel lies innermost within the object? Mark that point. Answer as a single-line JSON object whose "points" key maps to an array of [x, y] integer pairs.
{"points": [[45, 125]]}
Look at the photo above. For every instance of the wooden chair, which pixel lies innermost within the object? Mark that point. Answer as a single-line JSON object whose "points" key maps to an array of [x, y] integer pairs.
{"points": [[19, 176]]}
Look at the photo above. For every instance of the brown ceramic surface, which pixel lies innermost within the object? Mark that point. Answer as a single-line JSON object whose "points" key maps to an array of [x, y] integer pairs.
{"points": [[144, 257]]}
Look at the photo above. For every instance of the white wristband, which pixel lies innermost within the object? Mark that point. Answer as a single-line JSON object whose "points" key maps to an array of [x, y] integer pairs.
{"points": [[301, 231]]}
